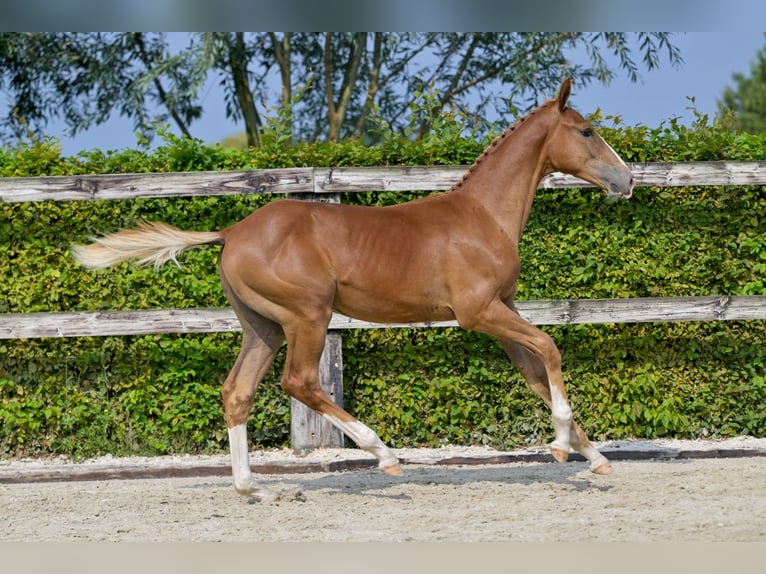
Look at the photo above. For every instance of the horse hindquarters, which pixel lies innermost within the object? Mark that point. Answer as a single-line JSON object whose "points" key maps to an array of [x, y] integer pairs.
{"points": [[258, 284]]}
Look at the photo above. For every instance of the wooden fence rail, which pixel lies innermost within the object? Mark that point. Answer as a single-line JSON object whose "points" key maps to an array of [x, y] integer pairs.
{"points": [[317, 180], [309, 431], [215, 320]]}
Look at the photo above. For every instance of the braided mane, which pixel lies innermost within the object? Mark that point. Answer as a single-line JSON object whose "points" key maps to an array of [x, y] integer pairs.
{"points": [[496, 142]]}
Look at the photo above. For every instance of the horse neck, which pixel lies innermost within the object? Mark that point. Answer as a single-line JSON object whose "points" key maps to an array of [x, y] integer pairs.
{"points": [[505, 177]]}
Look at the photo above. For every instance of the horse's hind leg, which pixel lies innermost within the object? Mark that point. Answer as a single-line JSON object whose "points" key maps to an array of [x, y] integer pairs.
{"points": [[261, 339], [301, 381], [534, 372], [255, 359]]}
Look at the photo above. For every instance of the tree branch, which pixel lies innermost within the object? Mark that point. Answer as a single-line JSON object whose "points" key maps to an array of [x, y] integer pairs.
{"points": [[138, 37], [336, 111], [374, 84], [328, 87], [425, 125], [238, 64], [358, 49], [282, 55]]}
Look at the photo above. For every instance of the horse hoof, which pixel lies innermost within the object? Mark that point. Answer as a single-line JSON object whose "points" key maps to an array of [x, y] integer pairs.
{"points": [[605, 468], [393, 470], [559, 454], [256, 494], [261, 495]]}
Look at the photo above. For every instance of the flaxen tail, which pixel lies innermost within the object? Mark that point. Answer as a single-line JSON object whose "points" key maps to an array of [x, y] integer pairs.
{"points": [[152, 243]]}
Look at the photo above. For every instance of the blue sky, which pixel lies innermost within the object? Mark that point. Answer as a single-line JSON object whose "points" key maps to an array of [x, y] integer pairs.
{"points": [[710, 59]]}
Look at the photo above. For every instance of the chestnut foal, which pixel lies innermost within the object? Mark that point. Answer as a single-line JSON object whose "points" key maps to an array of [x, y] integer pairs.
{"points": [[288, 265]]}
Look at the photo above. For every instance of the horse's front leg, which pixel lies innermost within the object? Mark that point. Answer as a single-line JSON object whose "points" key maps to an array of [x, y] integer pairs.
{"points": [[533, 371], [543, 371]]}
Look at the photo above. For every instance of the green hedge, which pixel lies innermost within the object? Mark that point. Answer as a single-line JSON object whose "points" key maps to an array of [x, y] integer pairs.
{"points": [[160, 394]]}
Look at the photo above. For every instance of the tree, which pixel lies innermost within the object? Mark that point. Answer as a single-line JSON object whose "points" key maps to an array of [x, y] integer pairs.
{"points": [[328, 85], [85, 78], [747, 100], [346, 77]]}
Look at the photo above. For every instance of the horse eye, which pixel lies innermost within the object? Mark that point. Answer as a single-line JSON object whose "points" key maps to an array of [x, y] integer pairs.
{"points": [[587, 132]]}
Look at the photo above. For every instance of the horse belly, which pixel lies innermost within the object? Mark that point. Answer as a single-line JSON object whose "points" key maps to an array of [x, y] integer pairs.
{"points": [[391, 300]]}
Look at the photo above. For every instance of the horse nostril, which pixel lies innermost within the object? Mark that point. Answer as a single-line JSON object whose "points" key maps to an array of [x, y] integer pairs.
{"points": [[631, 183]]}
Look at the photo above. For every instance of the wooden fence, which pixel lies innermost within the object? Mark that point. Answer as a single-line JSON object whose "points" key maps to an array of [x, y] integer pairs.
{"points": [[319, 181], [324, 184]]}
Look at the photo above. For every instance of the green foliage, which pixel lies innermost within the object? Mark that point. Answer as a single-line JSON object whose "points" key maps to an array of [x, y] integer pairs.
{"points": [[747, 99], [160, 394]]}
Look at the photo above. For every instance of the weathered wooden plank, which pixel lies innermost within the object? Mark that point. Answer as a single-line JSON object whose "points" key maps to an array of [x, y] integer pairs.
{"points": [[389, 178], [116, 323], [699, 173], [637, 310], [679, 174], [658, 174], [341, 179], [407, 178], [554, 312], [129, 186], [644, 310]]}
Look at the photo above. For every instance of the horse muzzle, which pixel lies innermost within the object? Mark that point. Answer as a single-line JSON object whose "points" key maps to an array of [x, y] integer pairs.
{"points": [[631, 185], [619, 184]]}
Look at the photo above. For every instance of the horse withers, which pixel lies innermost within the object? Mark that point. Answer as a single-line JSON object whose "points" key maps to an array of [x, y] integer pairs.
{"points": [[286, 267]]}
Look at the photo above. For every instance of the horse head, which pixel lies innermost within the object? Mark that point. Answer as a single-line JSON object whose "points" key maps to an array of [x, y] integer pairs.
{"points": [[575, 147]]}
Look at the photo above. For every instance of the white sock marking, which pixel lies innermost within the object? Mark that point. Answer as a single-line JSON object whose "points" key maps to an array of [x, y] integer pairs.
{"points": [[562, 418], [240, 459], [367, 440]]}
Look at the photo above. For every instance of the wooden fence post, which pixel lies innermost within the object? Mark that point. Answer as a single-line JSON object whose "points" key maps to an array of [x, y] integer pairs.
{"points": [[309, 431]]}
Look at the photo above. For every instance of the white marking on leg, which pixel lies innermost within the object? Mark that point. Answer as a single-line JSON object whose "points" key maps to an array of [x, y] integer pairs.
{"points": [[562, 419], [240, 459], [590, 452], [367, 440]]}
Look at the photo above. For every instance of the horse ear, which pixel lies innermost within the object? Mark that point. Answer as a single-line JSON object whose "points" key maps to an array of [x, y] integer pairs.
{"points": [[564, 91]]}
